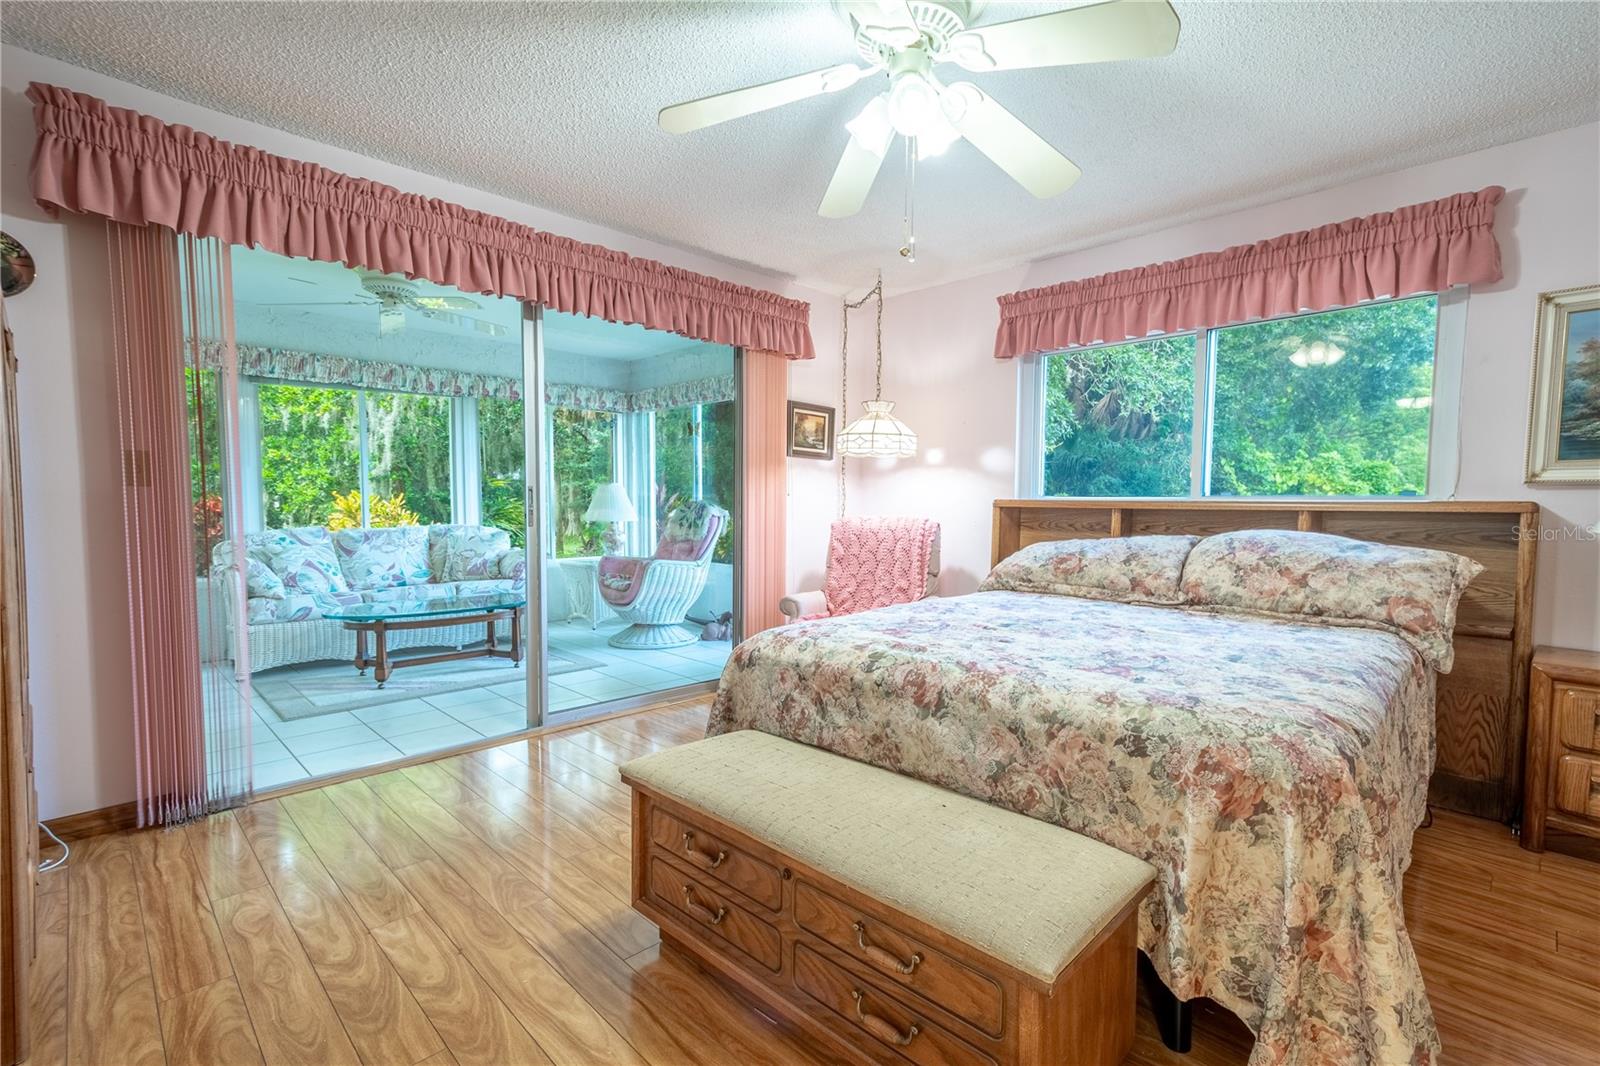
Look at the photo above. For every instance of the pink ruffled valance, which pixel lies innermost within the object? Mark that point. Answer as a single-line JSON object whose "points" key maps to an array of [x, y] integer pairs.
{"points": [[95, 158], [1422, 248]]}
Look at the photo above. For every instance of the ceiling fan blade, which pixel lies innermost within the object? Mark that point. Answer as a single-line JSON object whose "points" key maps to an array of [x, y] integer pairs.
{"points": [[710, 110], [321, 303], [888, 22], [452, 303], [1005, 139], [870, 137], [1120, 29]]}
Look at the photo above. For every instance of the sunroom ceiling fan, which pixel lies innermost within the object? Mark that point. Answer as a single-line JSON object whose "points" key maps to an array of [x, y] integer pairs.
{"points": [[393, 294], [904, 40]]}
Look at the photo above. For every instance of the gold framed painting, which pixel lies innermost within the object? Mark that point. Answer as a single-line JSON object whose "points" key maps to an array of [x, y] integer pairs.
{"points": [[810, 430], [1564, 419]]}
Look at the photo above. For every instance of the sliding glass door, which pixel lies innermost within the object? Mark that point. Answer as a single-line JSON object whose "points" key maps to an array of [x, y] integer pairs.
{"points": [[363, 581], [638, 436], [449, 517]]}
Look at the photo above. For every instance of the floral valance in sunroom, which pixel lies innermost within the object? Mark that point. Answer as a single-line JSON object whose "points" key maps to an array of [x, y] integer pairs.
{"points": [[316, 368]]}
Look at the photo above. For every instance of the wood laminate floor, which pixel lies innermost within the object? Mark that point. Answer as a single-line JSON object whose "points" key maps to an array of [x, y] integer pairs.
{"points": [[474, 909]]}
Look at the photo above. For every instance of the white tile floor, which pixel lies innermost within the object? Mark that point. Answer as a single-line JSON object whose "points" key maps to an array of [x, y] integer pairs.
{"points": [[282, 752]]}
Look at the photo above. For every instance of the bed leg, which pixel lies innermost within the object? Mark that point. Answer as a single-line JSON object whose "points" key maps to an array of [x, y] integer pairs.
{"points": [[1174, 1016]]}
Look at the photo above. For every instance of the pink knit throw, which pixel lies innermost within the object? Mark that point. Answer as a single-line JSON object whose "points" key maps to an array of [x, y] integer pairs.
{"points": [[875, 562]]}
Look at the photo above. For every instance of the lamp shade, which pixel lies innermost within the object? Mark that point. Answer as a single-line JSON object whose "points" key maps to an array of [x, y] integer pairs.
{"points": [[610, 504], [878, 434]]}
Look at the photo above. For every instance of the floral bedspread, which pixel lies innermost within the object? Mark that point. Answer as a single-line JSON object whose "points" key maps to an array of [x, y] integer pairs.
{"points": [[1273, 772]]}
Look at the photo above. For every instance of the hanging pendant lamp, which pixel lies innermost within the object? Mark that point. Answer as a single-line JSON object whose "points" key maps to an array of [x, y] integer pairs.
{"points": [[877, 433]]}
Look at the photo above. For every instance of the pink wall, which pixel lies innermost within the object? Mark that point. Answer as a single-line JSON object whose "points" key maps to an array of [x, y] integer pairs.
{"points": [[72, 499], [963, 404]]}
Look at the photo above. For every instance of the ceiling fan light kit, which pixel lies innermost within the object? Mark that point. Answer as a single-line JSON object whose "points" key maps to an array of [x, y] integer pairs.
{"points": [[904, 40]]}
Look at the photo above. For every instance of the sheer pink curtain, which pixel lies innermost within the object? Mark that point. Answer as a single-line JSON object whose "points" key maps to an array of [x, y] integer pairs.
{"points": [[160, 307], [763, 482]]}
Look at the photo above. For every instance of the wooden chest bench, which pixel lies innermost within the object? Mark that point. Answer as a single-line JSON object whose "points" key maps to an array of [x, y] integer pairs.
{"points": [[894, 920]]}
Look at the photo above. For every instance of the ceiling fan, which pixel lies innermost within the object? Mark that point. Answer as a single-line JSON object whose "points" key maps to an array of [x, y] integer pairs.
{"points": [[905, 40], [394, 294]]}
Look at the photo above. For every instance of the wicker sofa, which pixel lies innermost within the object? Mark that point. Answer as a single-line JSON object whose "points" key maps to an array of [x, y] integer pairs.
{"points": [[293, 577]]}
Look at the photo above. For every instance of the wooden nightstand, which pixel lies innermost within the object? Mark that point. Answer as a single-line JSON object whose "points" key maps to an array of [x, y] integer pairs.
{"points": [[1561, 797]]}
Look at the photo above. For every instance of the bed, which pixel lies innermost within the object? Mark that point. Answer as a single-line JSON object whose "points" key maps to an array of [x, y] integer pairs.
{"points": [[1273, 771]]}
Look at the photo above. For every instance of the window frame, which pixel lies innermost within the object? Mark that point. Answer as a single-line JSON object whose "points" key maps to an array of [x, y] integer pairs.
{"points": [[1444, 435]]}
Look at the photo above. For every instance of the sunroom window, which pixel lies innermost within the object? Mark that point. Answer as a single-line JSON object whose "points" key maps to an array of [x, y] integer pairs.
{"points": [[1352, 402]]}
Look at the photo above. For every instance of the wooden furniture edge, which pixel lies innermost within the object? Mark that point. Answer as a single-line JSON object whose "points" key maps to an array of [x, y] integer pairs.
{"points": [[1549, 666]]}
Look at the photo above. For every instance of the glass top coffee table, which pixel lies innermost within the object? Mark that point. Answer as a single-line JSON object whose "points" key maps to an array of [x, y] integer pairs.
{"points": [[378, 619]]}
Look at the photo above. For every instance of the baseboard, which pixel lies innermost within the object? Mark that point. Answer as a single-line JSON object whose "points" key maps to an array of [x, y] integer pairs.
{"points": [[112, 819]]}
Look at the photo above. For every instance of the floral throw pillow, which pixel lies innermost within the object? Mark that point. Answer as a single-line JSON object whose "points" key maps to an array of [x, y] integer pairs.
{"points": [[302, 557], [1125, 569], [466, 553], [1412, 592], [261, 582], [383, 558]]}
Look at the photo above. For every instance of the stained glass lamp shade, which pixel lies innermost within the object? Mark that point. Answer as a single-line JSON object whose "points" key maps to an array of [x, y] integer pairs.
{"points": [[878, 434]]}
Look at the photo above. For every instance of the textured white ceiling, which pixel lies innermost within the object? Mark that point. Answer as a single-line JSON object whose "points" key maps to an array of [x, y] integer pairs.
{"points": [[554, 104]]}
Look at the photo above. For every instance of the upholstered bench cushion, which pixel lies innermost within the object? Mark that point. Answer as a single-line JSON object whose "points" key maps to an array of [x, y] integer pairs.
{"points": [[1028, 893]]}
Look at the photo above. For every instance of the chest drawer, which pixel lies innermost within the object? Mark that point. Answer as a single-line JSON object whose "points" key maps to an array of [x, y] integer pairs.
{"points": [[900, 958], [1578, 786], [716, 917], [877, 1019], [1578, 717], [716, 858]]}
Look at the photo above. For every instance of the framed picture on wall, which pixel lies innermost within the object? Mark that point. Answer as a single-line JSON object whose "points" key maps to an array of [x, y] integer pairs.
{"points": [[810, 430], [1564, 422]]}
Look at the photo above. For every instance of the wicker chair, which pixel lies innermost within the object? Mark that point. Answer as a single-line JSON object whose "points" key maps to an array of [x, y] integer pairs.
{"points": [[656, 593]]}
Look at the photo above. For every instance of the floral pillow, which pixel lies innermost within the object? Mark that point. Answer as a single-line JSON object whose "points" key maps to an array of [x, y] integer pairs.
{"points": [[383, 558], [1412, 592], [302, 557], [1126, 569], [261, 582], [466, 553]]}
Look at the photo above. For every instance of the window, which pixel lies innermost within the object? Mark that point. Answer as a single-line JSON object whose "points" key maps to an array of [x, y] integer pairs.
{"points": [[1338, 403], [581, 445], [310, 455], [1119, 419], [1349, 418], [205, 463], [500, 458], [408, 456], [694, 461], [321, 446]]}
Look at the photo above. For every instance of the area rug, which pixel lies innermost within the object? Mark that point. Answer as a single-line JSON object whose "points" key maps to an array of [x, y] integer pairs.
{"points": [[311, 689]]}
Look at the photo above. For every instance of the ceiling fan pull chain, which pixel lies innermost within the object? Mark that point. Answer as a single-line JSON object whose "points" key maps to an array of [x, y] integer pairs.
{"points": [[908, 250]]}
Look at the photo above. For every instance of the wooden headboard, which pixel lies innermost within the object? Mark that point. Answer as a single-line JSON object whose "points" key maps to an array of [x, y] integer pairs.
{"points": [[1482, 702]]}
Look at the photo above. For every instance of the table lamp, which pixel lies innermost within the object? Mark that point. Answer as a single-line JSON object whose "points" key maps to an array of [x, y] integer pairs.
{"points": [[611, 506]]}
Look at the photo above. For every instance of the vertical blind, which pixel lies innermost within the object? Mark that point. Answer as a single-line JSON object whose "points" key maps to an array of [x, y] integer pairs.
{"points": [[191, 734]]}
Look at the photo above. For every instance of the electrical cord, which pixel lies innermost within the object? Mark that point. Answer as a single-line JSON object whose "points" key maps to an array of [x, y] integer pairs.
{"points": [[54, 864]]}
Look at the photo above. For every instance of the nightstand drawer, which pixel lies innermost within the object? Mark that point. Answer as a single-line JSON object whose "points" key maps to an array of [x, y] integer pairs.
{"points": [[1578, 786], [1578, 717]]}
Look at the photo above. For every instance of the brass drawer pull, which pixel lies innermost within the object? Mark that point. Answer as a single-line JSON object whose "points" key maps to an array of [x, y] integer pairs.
{"points": [[881, 957], [711, 861], [881, 1029], [700, 910]]}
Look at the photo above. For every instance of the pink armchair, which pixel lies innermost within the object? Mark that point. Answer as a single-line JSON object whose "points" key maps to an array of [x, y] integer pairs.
{"points": [[872, 562], [655, 593]]}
